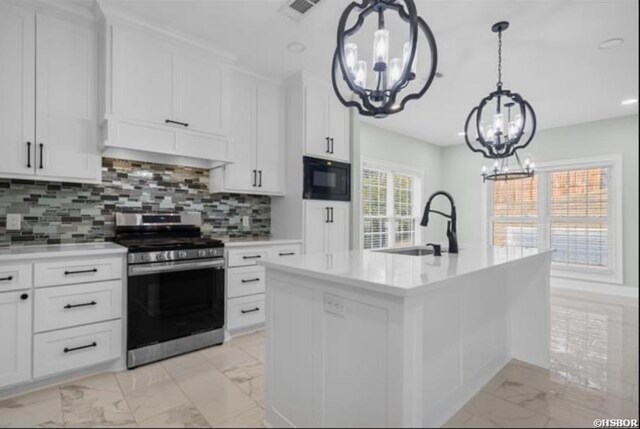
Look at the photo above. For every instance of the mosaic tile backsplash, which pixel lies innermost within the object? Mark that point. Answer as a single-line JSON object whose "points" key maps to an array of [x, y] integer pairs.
{"points": [[54, 213]]}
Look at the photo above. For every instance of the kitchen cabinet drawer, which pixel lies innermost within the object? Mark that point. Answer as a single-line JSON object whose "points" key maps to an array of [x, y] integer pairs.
{"points": [[245, 281], [245, 311], [15, 277], [245, 257], [69, 349], [285, 251], [81, 304], [82, 271]]}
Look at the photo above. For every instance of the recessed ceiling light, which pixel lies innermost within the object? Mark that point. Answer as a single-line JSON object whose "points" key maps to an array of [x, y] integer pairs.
{"points": [[462, 134], [629, 102], [296, 47], [611, 43]]}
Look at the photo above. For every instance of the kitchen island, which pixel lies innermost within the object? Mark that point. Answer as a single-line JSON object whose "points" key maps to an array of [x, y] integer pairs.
{"points": [[372, 339]]}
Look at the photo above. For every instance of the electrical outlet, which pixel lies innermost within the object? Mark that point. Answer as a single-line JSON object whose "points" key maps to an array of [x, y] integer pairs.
{"points": [[14, 222], [334, 304], [246, 221]]}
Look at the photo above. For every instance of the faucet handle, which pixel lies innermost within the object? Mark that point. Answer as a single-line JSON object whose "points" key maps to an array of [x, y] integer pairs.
{"points": [[437, 249]]}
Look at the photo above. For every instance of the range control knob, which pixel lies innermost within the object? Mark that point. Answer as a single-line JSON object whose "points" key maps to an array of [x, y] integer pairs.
{"points": [[202, 253], [212, 252], [161, 257], [182, 254]]}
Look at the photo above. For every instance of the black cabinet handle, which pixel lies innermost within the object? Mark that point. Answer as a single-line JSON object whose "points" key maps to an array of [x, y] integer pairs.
{"points": [[332, 146], [331, 211], [255, 178], [326, 215], [287, 254], [253, 310], [169, 121], [260, 176], [41, 166], [28, 154], [88, 304], [88, 346], [94, 270], [6, 279], [252, 257], [24, 296], [328, 145], [250, 280]]}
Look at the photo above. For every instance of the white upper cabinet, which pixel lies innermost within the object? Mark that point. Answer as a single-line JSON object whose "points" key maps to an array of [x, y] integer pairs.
{"points": [[164, 96], [326, 123], [17, 86], [48, 82], [255, 139], [66, 118], [143, 78]]}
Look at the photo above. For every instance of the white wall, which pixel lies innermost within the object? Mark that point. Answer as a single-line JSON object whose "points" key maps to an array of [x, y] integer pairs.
{"points": [[384, 145], [461, 177]]}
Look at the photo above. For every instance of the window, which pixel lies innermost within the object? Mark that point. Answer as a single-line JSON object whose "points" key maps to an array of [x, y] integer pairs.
{"points": [[390, 203], [571, 208]]}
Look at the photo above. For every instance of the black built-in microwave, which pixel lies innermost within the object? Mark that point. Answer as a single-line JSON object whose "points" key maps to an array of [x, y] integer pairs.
{"points": [[326, 180]]}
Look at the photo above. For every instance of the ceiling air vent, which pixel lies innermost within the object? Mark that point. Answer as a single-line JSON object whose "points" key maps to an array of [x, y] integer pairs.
{"points": [[296, 9]]}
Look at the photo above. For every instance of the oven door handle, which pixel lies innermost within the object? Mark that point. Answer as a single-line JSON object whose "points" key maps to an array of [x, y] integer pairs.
{"points": [[164, 267]]}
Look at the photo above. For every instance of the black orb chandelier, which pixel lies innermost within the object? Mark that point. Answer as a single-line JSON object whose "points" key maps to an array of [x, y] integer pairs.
{"points": [[390, 77], [503, 122]]}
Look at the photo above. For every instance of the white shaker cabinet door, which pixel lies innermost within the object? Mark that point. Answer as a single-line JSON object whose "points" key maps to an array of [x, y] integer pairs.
{"points": [[268, 140], [202, 95], [17, 85], [66, 119], [15, 337], [143, 77], [316, 218], [339, 131], [338, 227], [317, 121]]}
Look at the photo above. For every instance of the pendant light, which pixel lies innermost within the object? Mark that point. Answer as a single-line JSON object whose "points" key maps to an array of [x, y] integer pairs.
{"points": [[375, 88], [503, 122]]}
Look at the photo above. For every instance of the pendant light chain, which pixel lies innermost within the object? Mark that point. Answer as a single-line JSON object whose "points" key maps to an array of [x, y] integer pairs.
{"points": [[500, 59]]}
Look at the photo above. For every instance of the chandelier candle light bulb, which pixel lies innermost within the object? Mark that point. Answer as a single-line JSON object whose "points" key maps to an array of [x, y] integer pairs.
{"points": [[395, 71], [380, 50], [351, 55]]}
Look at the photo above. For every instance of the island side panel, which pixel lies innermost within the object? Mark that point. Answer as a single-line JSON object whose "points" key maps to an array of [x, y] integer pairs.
{"points": [[334, 355], [530, 321]]}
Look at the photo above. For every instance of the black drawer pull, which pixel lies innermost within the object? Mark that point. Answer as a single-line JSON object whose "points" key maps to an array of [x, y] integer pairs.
{"points": [[169, 121], [41, 166], [252, 257], [88, 346], [250, 280], [87, 304], [253, 310], [287, 254], [94, 270], [6, 279], [28, 154]]}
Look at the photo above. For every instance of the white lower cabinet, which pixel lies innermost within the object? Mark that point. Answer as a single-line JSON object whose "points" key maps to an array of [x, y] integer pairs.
{"points": [[246, 282], [326, 226], [59, 315], [75, 348], [15, 337]]}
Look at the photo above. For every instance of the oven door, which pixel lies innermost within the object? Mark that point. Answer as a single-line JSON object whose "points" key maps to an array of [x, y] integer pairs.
{"points": [[172, 300], [326, 180]]}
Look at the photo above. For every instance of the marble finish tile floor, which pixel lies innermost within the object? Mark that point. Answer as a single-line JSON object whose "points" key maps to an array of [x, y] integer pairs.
{"points": [[594, 374]]}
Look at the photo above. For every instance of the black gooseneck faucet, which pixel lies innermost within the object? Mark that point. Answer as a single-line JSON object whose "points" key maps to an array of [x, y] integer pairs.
{"points": [[452, 229]]}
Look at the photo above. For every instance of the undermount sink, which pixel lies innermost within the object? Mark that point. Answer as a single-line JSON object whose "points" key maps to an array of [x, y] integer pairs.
{"points": [[411, 251]]}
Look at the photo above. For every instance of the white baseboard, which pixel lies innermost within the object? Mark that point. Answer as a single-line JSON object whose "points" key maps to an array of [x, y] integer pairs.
{"points": [[594, 288]]}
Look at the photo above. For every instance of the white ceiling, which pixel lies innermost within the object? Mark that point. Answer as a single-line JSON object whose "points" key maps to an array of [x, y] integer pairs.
{"points": [[551, 52]]}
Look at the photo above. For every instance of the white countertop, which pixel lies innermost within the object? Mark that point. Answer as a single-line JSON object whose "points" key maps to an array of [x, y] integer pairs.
{"points": [[266, 242], [21, 253], [392, 273]]}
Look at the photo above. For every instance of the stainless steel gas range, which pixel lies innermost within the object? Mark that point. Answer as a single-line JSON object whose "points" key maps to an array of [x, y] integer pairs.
{"points": [[175, 293]]}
